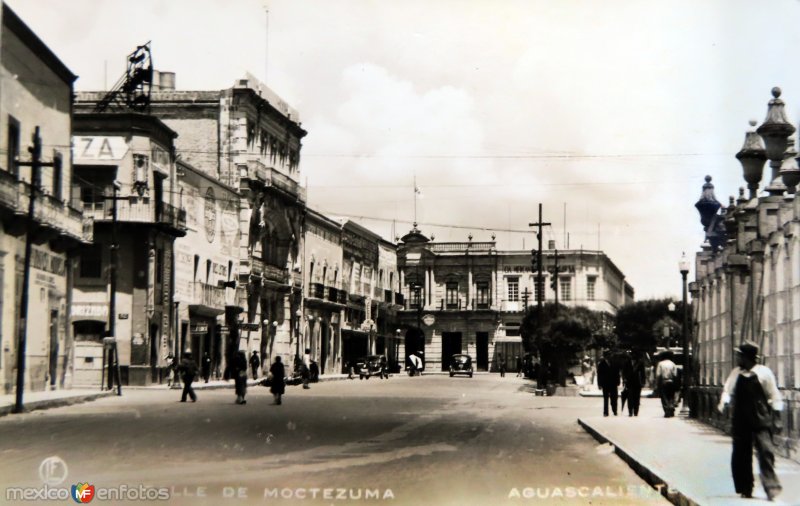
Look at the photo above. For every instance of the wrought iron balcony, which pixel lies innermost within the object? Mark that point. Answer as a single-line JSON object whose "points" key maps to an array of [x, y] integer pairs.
{"points": [[342, 296], [209, 296], [317, 290], [139, 210], [50, 213], [256, 171]]}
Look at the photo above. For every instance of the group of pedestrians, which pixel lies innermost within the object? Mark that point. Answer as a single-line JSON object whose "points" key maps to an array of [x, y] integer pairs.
{"points": [[632, 375], [187, 370]]}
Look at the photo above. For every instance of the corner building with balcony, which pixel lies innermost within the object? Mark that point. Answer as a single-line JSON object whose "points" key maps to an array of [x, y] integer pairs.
{"points": [[125, 160], [468, 297], [36, 92], [249, 139]]}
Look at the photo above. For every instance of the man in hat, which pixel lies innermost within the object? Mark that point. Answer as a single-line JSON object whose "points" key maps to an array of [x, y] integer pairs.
{"points": [[667, 382], [608, 378], [757, 406], [188, 370]]}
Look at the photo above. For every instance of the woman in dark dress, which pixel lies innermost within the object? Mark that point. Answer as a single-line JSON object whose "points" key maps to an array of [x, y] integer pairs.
{"points": [[240, 376], [277, 383]]}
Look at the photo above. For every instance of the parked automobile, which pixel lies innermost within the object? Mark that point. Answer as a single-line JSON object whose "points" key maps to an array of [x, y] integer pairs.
{"points": [[369, 366], [460, 364]]}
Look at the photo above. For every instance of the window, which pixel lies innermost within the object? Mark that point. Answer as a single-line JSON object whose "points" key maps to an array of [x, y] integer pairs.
{"points": [[564, 286], [91, 262], [513, 289], [13, 145], [415, 293], [482, 295], [451, 295], [512, 329], [58, 160], [590, 284]]}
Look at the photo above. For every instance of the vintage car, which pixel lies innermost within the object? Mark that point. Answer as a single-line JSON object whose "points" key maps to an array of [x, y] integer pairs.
{"points": [[369, 366], [460, 364]]}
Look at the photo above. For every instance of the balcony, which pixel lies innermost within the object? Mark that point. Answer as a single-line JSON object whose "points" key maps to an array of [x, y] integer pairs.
{"points": [[255, 171], [317, 290], [399, 299], [342, 296], [484, 304], [53, 216], [451, 305], [274, 274], [137, 210], [511, 306], [459, 247], [333, 294], [387, 296], [209, 296]]}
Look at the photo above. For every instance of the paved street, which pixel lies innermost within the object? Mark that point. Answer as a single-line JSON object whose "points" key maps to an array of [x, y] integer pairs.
{"points": [[428, 440]]}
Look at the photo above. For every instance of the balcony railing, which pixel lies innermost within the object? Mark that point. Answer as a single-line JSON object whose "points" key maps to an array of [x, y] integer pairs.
{"points": [[139, 211], [387, 296], [269, 176], [48, 211], [172, 216], [459, 247], [317, 290], [209, 295], [342, 296], [332, 294], [399, 298], [275, 274]]}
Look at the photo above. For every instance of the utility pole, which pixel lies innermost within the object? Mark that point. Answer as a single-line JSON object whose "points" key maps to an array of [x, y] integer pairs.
{"points": [[113, 356], [35, 164], [540, 302], [554, 283], [525, 296]]}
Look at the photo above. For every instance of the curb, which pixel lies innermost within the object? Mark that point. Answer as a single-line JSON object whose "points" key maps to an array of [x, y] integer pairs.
{"points": [[57, 402], [667, 489]]}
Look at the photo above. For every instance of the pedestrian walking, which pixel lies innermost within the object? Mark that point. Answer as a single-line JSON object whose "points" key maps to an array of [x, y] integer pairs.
{"points": [[501, 362], [608, 378], [277, 379], [255, 362], [518, 360], [188, 370], [171, 365], [667, 382], [757, 406], [205, 367], [384, 368], [634, 376], [240, 376], [305, 371]]}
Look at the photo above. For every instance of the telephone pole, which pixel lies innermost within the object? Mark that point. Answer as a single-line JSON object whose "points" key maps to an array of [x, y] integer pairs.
{"points": [[540, 302], [35, 164], [556, 257]]}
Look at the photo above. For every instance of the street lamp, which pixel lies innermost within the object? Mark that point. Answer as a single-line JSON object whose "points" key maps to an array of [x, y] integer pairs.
{"points": [[683, 265], [775, 131]]}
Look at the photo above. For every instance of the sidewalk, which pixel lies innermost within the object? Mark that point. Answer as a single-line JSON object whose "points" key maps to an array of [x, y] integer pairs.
{"points": [[50, 399], [56, 398], [689, 460]]}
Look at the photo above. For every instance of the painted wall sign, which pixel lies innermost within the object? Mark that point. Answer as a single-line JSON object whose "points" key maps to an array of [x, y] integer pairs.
{"points": [[99, 148]]}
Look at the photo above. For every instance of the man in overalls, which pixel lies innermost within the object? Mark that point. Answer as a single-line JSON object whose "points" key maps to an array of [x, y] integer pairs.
{"points": [[757, 405]]}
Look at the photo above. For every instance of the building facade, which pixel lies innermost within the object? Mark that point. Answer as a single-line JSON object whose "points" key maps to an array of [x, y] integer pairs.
{"points": [[125, 179], [36, 95], [747, 278], [249, 139], [468, 297], [206, 268]]}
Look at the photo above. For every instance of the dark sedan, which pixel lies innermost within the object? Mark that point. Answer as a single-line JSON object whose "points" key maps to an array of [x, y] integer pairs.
{"points": [[369, 366], [461, 364]]}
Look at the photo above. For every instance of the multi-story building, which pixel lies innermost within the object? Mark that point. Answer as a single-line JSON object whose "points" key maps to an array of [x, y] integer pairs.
{"points": [[468, 297], [360, 248], [249, 139], [747, 277], [324, 296], [124, 165], [387, 300], [36, 94], [206, 265]]}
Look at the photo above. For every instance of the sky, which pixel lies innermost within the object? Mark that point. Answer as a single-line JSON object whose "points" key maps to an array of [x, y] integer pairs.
{"points": [[610, 114]]}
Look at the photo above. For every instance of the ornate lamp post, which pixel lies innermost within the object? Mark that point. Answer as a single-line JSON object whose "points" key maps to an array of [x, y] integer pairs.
{"points": [[708, 206], [683, 265], [790, 173], [775, 131]]}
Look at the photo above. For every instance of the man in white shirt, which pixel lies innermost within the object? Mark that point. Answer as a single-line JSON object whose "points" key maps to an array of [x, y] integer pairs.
{"points": [[306, 368], [667, 383], [757, 405]]}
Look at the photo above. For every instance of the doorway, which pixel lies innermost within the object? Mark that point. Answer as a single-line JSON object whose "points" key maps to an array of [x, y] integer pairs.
{"points": [[451, 345], [482, 351]]}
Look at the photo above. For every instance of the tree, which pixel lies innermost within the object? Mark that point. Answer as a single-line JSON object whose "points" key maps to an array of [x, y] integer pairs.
{"points": [[566, 332], [640, 325]]}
